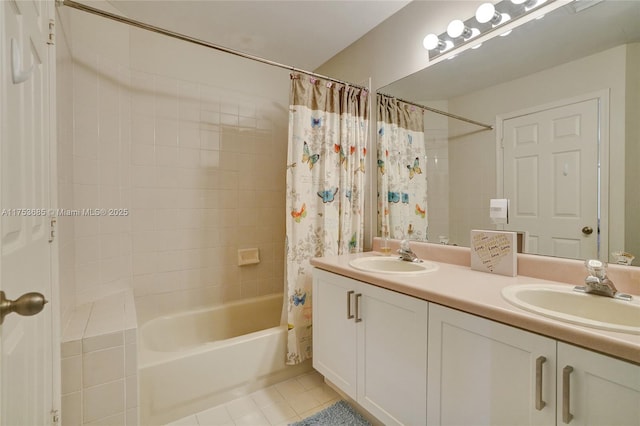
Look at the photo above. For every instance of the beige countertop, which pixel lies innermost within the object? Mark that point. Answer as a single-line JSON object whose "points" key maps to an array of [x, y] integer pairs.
{"points": [[479, 293]]}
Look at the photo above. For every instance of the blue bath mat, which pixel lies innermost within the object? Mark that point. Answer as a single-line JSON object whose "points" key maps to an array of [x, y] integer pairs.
{"points": [[339, 414]]}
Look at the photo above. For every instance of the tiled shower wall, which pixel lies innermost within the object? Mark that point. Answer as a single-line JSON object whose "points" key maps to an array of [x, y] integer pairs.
{"points": [[64, 158], [189, 146]]}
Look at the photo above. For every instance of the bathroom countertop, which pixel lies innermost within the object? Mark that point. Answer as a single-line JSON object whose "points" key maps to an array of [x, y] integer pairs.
{"points": [[479, 293]]}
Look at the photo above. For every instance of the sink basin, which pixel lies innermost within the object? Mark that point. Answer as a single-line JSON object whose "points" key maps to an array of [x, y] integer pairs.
{"points": [[564, 304], [391, 265]]}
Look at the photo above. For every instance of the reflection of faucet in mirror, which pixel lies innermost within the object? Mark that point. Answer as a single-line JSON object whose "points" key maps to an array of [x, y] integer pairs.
{"points": [[597, 282]]}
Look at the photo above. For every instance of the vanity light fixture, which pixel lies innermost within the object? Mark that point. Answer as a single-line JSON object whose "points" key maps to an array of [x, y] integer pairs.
{"points": [[488, 17]]}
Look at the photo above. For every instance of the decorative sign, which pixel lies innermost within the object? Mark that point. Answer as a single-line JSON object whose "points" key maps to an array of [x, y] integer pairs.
{"points": [[494, 252]]}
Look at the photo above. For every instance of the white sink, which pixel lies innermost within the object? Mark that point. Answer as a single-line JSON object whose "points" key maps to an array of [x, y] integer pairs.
{"points": [[392, 265], [564, 304]]}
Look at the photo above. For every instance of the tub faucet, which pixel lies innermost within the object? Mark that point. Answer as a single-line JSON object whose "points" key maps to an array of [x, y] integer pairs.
{"points": [[406, 253], [597, 282]]}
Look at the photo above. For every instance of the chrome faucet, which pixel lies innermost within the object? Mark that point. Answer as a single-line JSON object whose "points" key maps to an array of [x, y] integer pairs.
{"points": [[406, 253], [597, 282]]}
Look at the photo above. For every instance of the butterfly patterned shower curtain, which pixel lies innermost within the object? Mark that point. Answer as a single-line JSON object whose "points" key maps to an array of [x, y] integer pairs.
{"points": [[328, 135], [402, 179]]}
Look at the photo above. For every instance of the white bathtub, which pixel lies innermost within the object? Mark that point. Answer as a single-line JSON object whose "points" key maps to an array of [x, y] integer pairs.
{"points": [[193, 360]]}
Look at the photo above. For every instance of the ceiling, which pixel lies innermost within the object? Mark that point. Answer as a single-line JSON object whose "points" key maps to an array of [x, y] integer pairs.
{"points": [[302, 34]]}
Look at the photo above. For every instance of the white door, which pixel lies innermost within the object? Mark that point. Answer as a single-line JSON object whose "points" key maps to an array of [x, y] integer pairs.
{"points": [[25, 263], [551, 179]]}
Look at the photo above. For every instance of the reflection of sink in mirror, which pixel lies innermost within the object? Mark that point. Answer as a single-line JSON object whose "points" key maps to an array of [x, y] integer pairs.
{"points": [[391, 265], [563, 303]]}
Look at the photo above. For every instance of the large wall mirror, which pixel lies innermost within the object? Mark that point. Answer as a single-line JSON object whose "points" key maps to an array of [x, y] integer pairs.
{"points": [[571, 81]]}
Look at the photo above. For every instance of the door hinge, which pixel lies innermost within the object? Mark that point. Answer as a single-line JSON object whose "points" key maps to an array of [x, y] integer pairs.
{"points": [[55, 417], [52, 33], [52, 229]]}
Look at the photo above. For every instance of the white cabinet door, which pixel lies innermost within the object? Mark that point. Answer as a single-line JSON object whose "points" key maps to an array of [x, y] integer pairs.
{"points": [[392, 356], [602, 390], [334, 330], [372, 344], [481, 372]]}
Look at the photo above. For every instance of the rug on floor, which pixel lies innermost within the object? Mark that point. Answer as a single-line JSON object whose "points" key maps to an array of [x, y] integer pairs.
{"points": [[339, 414]]}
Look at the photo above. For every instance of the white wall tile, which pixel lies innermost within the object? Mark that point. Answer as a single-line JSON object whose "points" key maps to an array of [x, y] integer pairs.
{"points": [[106, 341], [103, 366], [71, 374], [71, 348], [132, 417], [132, 392], [71, 414], [103, 401]]}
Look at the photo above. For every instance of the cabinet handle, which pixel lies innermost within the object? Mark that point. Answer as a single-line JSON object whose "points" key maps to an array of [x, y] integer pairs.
{"points": [[566, 394], [349, 314], [358, 296], [539, 402]]}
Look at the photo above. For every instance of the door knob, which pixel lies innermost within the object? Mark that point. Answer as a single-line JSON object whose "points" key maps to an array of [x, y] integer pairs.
{"points": [[587, 230], [27, 304]]}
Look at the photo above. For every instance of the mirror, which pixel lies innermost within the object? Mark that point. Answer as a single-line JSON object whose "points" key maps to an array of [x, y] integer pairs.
{"points": [[579, 51]]}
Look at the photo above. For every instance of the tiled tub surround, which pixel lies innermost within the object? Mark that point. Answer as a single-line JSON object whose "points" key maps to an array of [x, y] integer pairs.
{"points": [[455, 285], [99, 364], [192, 143]]}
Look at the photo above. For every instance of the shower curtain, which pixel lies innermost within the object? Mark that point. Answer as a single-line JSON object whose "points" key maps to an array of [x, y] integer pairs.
{"points": [[402, 178], [328, 135]]}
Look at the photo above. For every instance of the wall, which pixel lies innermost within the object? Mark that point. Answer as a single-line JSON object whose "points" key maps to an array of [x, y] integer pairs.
{"points": [[475, 153], [393, 49], [632, 153], [192, 144]]}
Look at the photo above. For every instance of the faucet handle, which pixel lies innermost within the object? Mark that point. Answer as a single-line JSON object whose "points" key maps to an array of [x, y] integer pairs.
{"points": [[404, 245], [596, 267]]}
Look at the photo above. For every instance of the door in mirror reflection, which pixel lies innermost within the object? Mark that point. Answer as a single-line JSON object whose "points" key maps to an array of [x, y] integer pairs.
{"points": [[550, 162]]}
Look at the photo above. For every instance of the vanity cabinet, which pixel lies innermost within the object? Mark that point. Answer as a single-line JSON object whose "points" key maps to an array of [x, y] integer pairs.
{"points": [[595, 389], [485, 373], [372, 344]]}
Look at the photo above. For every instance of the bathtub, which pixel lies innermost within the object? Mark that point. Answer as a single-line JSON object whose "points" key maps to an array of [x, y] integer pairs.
{"points": [[191, 361]]}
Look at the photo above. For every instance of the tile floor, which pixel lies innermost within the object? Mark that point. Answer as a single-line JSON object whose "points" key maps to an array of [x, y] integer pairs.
{"points": [[280, 404]]}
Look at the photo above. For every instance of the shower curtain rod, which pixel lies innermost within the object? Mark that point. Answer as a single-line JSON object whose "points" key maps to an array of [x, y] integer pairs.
{"points": [[437, 111], [118, 18], [152, 28]]}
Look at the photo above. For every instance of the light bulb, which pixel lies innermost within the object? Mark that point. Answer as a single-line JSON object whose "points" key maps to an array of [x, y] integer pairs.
{"points": [[457, 28], [431, 41], [487, 12]]}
